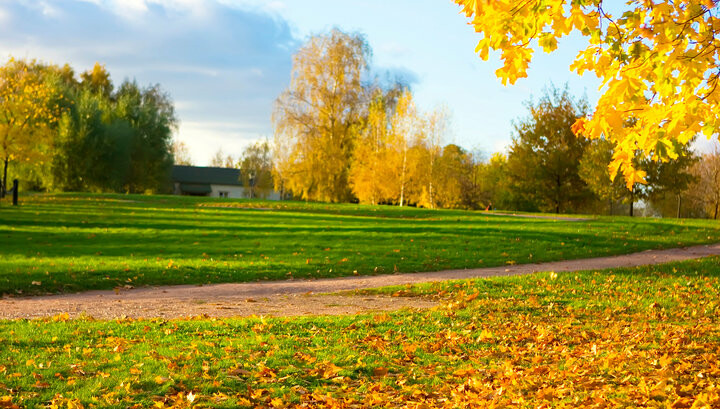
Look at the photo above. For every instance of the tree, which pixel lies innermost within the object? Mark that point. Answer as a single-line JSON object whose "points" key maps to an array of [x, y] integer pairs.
{"points": [[594, 171], [435, 126], [221, 160], [218, 159], [282, 163], [151, 115], [545, 154], [401, 160], [367, 172], [181, 154], [452, 172], [92, 148], [97, 80], [29, 106], [494, 183], [669, 180], [61, 133], [706, 187], [473, 196], [657, 62], [256, 170], [320, 114]]}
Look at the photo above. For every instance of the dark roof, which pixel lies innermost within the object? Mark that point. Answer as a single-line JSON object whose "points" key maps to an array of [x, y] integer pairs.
{"points": [[206, 175], [195, 189]]}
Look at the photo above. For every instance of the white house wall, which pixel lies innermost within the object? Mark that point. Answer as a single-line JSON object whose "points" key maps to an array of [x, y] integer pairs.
{"points": [[238, 192], [235, 192]]}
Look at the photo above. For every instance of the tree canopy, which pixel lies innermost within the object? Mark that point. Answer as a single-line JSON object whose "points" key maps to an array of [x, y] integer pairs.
{"points": [[657, 60], [59, 131], [545, 153], [319, 113], [29, 105]]}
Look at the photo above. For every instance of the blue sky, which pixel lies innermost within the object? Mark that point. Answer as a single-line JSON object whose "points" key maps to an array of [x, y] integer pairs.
{"points": [[224, 62]]}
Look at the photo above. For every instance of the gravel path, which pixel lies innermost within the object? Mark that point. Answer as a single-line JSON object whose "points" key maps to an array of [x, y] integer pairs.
{"points": [[297, 297]]}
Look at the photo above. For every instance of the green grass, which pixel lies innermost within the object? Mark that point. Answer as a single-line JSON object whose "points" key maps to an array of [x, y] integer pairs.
{"points": [[72, 242], [640, 337]]}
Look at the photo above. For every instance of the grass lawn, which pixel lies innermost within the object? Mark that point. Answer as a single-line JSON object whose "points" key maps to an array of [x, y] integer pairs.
{"points": [[640, 337], [71, 242]]}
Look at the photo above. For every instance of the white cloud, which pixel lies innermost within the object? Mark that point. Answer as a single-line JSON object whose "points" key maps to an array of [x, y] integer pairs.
{"points": [[129, 9], [4, 15], [48, 10], [704, 145], [272, 6], [224, 63], [205, 138]]}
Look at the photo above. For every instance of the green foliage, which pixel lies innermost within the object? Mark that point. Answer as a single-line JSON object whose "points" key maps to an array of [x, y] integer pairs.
{"points": [[493, 186], [668, 181], [453, 179], [545, 154], [92, 149], [594, 172], [151, 116], [85, 136], [256, 170]]}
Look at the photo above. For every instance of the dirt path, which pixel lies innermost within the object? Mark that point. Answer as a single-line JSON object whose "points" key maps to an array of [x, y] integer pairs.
{"points": [[296, 297]]}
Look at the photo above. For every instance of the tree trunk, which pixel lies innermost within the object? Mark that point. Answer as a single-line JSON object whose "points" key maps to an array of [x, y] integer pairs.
{"points": [[611, 207], [3, 188], [432, 198], [716, 210], [679, 200], [402, 179], [557, 202], [632, 201]]}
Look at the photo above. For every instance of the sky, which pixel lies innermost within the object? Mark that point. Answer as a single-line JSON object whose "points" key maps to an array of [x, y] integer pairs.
{"points": [[224, 62]]}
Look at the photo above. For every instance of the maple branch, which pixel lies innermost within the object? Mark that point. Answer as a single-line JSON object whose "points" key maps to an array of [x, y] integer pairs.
{"points": [[516, 9], [603, 14], [714, 81]]}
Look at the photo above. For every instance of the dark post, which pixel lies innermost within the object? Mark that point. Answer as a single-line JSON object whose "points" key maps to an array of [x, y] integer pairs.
{"points": [[3, 184], [15, 192]]}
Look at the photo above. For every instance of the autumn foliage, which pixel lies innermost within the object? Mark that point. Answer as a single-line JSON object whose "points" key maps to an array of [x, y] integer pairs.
{"points": [[338, 137], [29, 106], [641, 337], [657, 61]]}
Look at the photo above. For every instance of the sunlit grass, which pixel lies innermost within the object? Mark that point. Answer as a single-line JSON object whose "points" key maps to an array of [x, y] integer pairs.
{"points": [[67, 243]]}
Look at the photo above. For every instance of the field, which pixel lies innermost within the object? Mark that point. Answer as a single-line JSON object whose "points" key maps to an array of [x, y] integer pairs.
{"points": [[640, 337], [70, 243]]}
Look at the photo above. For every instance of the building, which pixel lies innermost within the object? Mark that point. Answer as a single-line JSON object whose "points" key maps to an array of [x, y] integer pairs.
{"points": [[211, 182]]}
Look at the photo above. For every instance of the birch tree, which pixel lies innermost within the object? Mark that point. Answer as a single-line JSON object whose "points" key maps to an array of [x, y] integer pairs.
{"points": [[403, 135], [320, 114]]}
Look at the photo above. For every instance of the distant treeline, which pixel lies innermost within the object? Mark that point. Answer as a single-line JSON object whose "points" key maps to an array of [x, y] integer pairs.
{"points": [[340, 137], [65, 132]]}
